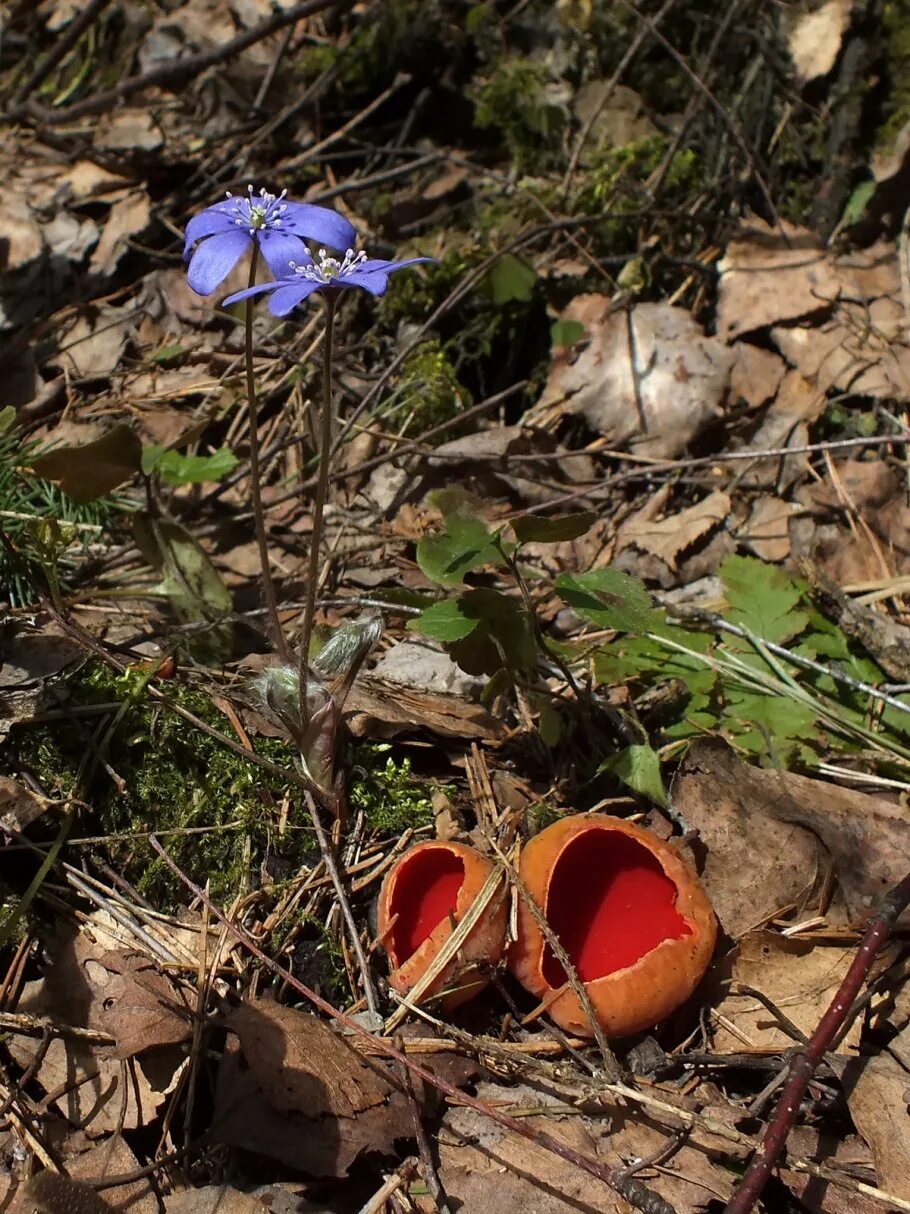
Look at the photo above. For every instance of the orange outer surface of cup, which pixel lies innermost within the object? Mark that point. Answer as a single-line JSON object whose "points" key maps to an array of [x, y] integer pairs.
{"points": [[483, 946], [637, 997]]}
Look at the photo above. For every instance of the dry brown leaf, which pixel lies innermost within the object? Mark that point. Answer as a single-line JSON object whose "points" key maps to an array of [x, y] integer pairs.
{"points": [[715, 794], [31, 656], [878, 1094], [128, 217], [291, 1088], [616, 114], [128, 130], [93, 347], [114, 1158], [119, 993], [799, 977], [666, 538], [483, 1165], [756, 374], [789, 826], [786, 424], [767, 530], [815, 38], [861, 349], [383, 710], [772, 275], [212, 1199], [19, 806], [648, 377], [94, 1091]]}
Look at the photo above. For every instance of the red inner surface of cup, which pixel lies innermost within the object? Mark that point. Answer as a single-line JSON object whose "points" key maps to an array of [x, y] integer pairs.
{"points": [[426, 890], [609, 903]]}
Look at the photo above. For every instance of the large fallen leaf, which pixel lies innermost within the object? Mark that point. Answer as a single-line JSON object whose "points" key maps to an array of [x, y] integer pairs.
{"points": [[878, 1093], [772, 275], [648, 377], [88, 472], [798, 977], [667, 537], [815, 38], [484, 1166], [788, 826], [714, 794], [786, 424], [19, 806], [128, 217], [114, 1158], [93, 347], [291, 1088]]}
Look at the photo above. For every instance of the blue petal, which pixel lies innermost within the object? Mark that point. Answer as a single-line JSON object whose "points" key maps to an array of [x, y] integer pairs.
{"points": [[281, 248], [207, 223], [375, 281], [215, 258], [287, 297], [320, 224], [247, 292]]}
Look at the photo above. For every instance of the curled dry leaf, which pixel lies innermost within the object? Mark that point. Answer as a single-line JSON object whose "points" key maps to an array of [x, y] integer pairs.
{"points": [[291, 1088], [668, 537], [878, 1095], [799, 977], [791, 828], [648, 377]]}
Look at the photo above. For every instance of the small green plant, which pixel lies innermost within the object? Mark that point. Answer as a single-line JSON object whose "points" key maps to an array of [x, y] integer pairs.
{"points": [[514, 99], [386, 790], [44, 530]]}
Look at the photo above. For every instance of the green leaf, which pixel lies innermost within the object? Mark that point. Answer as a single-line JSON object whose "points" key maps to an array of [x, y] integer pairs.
{"points": [[566, 332], [511, 278], [530, 528], [770, 726], [7, 419], [466, 545], [177, 469], [190, 581], [608, 598], [91, 471], [857, 203], [639, 768], [762, 598], [445, 621], [549, 725]]}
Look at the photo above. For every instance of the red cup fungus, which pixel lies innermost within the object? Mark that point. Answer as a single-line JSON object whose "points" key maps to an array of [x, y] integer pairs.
{"points": [[631, 915], [423, 897]]}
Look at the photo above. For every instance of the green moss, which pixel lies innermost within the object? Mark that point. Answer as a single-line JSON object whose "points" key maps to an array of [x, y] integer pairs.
{"points": [[895, 19], [173, 777], [387, 792], [513, 100], [429, 392]]}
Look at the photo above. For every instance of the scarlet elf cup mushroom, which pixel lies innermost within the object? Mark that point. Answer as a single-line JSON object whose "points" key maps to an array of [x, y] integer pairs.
{"points": [[424, 897], [629, 912]]}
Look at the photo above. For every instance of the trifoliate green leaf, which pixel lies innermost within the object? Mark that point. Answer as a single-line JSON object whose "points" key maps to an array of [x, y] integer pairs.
{"points": [[762, 599]]}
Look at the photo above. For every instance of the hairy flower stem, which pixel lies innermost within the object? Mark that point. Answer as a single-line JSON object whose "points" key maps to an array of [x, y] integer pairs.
{"points": [[322, 484], [268, 586]]}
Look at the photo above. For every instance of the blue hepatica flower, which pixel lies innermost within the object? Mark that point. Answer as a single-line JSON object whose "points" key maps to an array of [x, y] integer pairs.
{"points": [[301, 276], [226, 230]]}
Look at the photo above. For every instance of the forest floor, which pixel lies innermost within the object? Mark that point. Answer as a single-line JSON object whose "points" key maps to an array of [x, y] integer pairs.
{"points": [[617, 525]]}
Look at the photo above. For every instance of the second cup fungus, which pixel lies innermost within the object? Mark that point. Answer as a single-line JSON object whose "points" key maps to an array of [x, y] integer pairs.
{"points": [[425, 895], [632, 917]]}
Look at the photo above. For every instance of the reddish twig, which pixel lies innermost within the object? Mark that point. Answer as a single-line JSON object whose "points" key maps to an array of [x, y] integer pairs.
{"points": [[803, 1064], [637, 1194], [168, 74]]}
